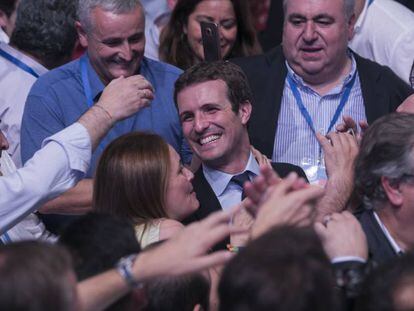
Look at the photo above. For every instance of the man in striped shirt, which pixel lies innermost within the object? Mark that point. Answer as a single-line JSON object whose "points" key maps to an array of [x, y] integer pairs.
{"points": [[309, 84]]}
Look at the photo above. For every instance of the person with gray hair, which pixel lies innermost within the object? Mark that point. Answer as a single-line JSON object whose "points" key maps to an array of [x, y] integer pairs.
{"points": [[112, 31], [306, 86], [384, 180]]}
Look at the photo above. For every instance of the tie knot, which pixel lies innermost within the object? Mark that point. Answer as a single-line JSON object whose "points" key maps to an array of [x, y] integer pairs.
{"points": [[240, 179]]}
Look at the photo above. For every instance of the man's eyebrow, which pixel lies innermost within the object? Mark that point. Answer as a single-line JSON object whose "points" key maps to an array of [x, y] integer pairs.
{"points": [[296, 15], [323, 15]]}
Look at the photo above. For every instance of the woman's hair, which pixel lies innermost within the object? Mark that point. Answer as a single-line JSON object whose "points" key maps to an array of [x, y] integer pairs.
{"points": [[174, 47], [131, 177]]}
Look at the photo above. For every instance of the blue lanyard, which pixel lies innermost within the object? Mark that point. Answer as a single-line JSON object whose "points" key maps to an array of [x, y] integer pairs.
{"points": [[370, 2], [18, 63], [85, 81], [305, 112]]}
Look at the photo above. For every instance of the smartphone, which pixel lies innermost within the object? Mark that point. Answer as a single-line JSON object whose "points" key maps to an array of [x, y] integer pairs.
{"points": [[211, 41]]}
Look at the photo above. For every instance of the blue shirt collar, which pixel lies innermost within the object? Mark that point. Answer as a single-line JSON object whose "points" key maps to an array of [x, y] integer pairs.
{"points": [[97, 86], [219, 180], [336, 90]]}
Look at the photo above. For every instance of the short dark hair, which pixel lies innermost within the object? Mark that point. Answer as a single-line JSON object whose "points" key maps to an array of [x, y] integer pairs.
{"points": [[238, 89], [386, 150], [46, 30], [285, 269], [178, 293], [96, 243], [381, 288], [8, 6], [35, 277]]}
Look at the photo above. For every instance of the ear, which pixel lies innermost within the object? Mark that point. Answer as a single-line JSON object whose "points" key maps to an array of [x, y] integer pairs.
{"points": [[198, 307], [3, 19], [245, 110], [83, 36], [393, 191], [351, 27]]}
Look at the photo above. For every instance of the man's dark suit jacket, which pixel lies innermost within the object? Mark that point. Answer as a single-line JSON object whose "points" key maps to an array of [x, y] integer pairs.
{"points": [[209, 202], [380, 249], [382, 92]]}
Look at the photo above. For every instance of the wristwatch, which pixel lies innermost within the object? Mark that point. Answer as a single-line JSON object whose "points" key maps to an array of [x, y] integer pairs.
{"points": [[124, 268]]}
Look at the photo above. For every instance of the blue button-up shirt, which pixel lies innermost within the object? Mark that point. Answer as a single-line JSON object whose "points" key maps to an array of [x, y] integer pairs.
{"points": [[58, 99]]}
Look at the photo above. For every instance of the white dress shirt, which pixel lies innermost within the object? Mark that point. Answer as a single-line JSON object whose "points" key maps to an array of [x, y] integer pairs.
{"points": [[15, 85], [54, 169], [384, 33], [228, 193]]}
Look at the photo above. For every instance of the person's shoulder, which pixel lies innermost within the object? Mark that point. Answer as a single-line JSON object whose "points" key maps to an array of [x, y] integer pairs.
{"points": [[373, 71], [161, 67], [56, 76], [169, 227], [273, 55]]}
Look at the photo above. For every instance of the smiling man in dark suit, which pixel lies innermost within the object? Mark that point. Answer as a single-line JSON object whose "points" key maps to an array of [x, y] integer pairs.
{"points": [[214, 104]]}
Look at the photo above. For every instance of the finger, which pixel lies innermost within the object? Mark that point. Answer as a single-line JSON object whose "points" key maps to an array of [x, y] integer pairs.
{"points": [[324, 142], [216, 218], [260, 185], [252, 193], [364, 125], [204, 262], [350, 123], [269, 174], [320, 230]]}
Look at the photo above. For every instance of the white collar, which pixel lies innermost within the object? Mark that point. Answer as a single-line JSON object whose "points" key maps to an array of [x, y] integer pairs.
{"points": [[219, 180], [397, 249]]}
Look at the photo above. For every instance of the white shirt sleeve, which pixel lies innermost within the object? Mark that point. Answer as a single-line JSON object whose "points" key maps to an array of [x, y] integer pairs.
{"points": [[62, 161]]}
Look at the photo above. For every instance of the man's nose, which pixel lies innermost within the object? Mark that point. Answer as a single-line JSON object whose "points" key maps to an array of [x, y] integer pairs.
{"points": [[309, 33], [126, 51], [200, 123]]}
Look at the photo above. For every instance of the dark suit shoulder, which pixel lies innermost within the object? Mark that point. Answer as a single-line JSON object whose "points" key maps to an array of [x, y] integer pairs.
{"points": [[256, 63], [283, 169], [373, 74]]}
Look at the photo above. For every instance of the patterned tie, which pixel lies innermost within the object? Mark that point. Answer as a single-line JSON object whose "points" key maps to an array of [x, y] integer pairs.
{"points": [[240, 180]]}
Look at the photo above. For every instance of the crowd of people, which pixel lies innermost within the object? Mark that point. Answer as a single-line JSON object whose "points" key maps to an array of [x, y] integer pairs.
{"points": [[136, 175]]}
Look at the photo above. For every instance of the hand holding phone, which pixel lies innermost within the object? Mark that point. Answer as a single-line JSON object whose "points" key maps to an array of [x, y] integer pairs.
{"points": [[211, 41]]}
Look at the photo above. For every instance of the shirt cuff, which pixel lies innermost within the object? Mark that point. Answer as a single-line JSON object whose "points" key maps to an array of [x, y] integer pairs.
{"points": [[76, 143], [348, 258]]}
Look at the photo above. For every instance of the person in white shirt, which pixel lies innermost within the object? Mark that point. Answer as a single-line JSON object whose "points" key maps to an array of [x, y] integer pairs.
{"points": [[384, 33], [384, 180], [65, 156]]}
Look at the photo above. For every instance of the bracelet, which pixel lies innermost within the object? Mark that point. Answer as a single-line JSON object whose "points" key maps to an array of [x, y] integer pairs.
{"points": [[104, 110], [124, 268]]}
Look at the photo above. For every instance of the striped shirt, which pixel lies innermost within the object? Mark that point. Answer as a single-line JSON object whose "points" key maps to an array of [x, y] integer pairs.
{"points": [[295, 142]]}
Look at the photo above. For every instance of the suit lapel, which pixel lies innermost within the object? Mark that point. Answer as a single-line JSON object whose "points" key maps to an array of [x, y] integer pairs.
{"points": [[205, 195], [268, 102], [375, 103], [379, 247]]}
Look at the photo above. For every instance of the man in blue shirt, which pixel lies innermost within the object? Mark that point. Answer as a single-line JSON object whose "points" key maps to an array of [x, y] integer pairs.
{"points": [[113, 34]]}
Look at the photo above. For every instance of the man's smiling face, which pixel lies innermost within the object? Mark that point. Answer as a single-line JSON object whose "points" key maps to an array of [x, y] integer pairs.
{"points": [[214, 131]]}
